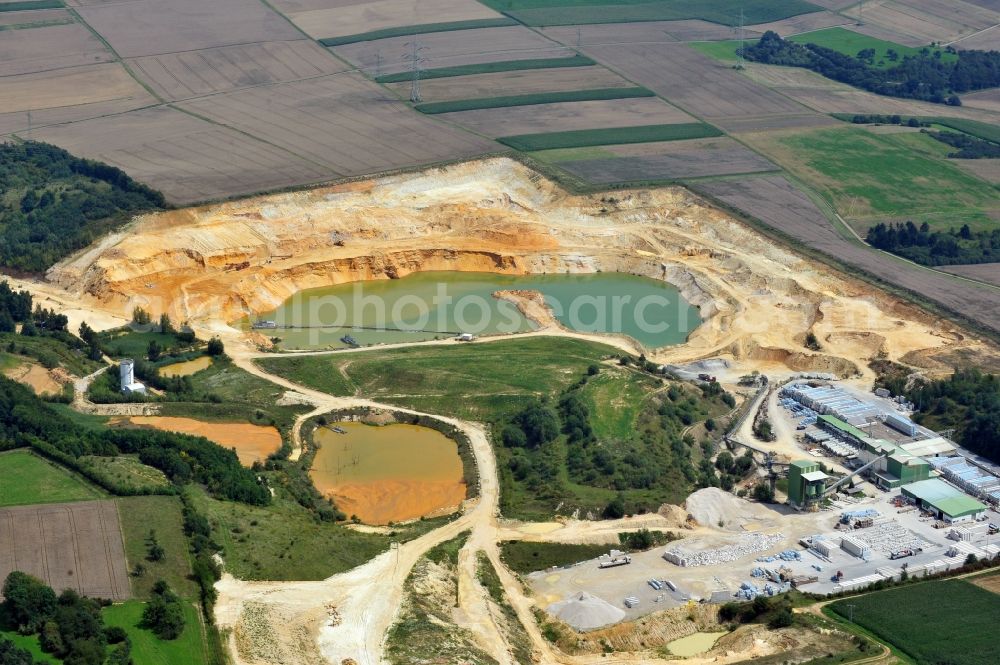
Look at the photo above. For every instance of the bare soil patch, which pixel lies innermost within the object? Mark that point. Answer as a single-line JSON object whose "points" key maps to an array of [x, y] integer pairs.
{"points": [[540, 118], [457, 47], [676, 160], [695, 82], [186, 158], [514, 83], [989, 582], [987, 40], [987, 169], [253, 443], [150, 27], [49, 47], [988, 100], [39, 379], [342, 122], [35, 17], [335, 18], [68, 546], [192, 73]]}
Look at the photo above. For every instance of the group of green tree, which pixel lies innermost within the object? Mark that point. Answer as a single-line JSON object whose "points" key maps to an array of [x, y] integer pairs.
{"points": [[936, 248], [26, 420], [969, 147], [16, 308], [53, 204], [69, 626], [925, 76], [969, 402], [550, 443]]}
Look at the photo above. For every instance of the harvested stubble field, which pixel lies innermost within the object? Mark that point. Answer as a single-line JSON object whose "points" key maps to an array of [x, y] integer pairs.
{"points": [[931, 20], [414, 31], [69, 546], [695, 82], [187, 74], [49, 47], [987, 99], [489, 68], [678, 160], [987, 169], [448, 49], [341, 122], [984, 272], [335, 18], [150, 27], [185, 157], [803, 23], [643, 32], [531, 81], [568, 116], [781, 206], [79, 87], [33, 18]]}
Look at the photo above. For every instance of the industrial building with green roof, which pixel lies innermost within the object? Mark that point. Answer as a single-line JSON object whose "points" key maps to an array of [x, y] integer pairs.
{"points": [[806, 482], [948, 503]]}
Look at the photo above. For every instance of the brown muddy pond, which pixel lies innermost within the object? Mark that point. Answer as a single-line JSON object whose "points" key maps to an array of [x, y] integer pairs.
{"points": [[388, 473], [253, 443], [186, 368]]}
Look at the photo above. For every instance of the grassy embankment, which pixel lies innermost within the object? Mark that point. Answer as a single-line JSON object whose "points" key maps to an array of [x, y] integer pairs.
{"points": [[582, 138]]}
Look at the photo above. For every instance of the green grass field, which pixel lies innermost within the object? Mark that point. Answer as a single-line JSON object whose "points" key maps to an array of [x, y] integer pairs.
{"points": [[849, 42], [946, 621], [419, 29], [27, 479], [475, 381], [724, 50], [138, 515], [533, 99], [284, 541], [490, 68], [571, 12], [610, 136], [869, 176], [524, 557], [147, 648], [125, 343], [615, 397]]}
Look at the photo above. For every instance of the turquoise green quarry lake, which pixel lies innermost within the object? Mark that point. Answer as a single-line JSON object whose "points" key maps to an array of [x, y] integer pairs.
{"points": [[431, 305]]}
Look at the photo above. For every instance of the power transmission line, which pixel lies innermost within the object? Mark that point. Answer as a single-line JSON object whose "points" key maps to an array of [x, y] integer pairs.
{"points": [[416, 59]]}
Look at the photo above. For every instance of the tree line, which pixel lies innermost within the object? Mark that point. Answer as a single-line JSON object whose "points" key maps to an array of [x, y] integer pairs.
{"points": [[969, 147], [26, 420], [925, 76], [936, 248], [969, 402], [53, 204]]}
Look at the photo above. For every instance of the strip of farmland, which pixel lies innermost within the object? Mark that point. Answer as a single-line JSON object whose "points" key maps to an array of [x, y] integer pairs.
{"points": [[610, 136], [545, 118], [490, 68], [533, 99], [30, 4], [573, 12], [68, 546], [644, 32], [781, 206], [335, 18], [421, 29], [525, 82]]}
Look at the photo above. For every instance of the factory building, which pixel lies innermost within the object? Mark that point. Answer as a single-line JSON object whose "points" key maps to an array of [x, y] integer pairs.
{"points": [[901, 468], [946, 502], [805, 482], [127, 380]]}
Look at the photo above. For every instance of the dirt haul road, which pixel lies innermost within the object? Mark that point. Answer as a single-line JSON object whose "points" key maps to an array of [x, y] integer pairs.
{"points": [[216, 264]]}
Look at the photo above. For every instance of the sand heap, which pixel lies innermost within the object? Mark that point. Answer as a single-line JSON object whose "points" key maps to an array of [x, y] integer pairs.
{"points": [[716, 508], [584, 611]]}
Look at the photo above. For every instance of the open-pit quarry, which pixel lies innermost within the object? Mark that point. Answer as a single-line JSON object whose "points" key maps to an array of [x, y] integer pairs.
{"points": [[215, 265], [218, 265]]}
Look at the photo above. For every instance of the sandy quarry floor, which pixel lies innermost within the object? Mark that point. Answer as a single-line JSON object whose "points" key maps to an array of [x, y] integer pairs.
{"points": [[215, 264], [212, 265]]}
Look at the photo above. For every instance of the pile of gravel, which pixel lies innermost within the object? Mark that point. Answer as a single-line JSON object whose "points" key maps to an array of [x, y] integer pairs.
{"points": [[584, 611], [711, 505]]}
